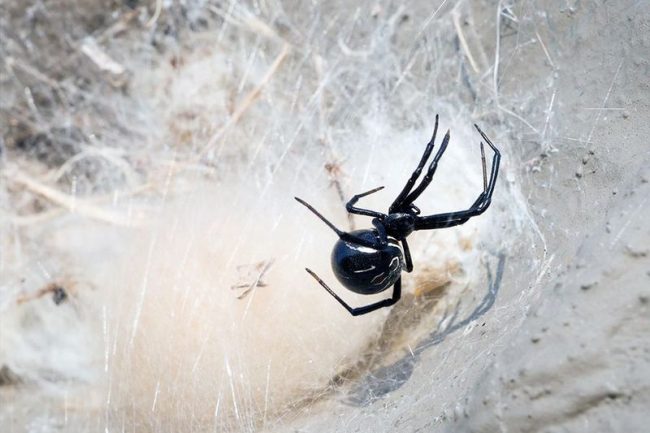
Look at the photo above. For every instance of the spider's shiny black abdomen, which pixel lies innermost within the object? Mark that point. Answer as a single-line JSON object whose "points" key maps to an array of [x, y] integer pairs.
{"points": [[367, 270]]}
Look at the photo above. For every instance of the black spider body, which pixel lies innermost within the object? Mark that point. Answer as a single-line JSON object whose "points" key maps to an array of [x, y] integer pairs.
{"points": [[399, 225], [367, 270], [370, 261]]}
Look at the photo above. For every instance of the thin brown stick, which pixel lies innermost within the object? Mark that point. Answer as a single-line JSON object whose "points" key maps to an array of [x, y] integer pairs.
{"points": [[71, 203], [335, 173], [59, 294], [250, 98], [463, 42]]}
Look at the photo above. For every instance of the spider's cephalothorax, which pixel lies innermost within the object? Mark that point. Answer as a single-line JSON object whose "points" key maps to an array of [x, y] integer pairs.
{"points": [[399, 225], [370, 261]]}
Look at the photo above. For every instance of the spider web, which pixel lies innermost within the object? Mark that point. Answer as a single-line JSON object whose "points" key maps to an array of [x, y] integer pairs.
{"points": [[157, 189]]}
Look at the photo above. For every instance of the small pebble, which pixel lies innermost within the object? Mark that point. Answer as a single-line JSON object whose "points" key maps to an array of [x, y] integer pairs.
{"points": [[579, 172], [635, 252], [588, 285]]}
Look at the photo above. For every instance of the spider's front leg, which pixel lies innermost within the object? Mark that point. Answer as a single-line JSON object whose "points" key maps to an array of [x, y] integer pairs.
{"points": [[399, 201], [428, 177], [479, 206]]}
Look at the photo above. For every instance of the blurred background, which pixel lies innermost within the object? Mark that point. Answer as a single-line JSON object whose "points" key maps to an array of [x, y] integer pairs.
{"points": [[152, 256]]}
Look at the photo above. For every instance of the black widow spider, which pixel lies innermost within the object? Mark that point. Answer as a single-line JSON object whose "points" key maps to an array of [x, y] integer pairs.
{"points": [[370, 261]]}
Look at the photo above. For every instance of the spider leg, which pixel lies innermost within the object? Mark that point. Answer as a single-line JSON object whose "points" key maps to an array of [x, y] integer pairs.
{"points": [[341, 234], [355, 210], [381, 230], [397, 293], [479, 206], [442, 221], [496, 159], [399, 201], [426, 180], [407, 256], [311, 208]]}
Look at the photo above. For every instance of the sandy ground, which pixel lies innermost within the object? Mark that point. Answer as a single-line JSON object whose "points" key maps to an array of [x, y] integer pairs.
{"points": [[540, 325]]}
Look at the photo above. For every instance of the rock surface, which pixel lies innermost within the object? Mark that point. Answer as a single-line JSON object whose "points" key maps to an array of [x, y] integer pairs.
{"points": [[548, 333]]}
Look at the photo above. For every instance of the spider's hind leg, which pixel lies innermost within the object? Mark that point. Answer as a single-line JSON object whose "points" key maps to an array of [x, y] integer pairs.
{"points": [[318, 214], [341, 234], [397, 293]]}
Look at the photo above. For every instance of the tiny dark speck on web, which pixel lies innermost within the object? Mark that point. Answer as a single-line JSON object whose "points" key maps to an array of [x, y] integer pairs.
{"points": [[59, 295]]}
